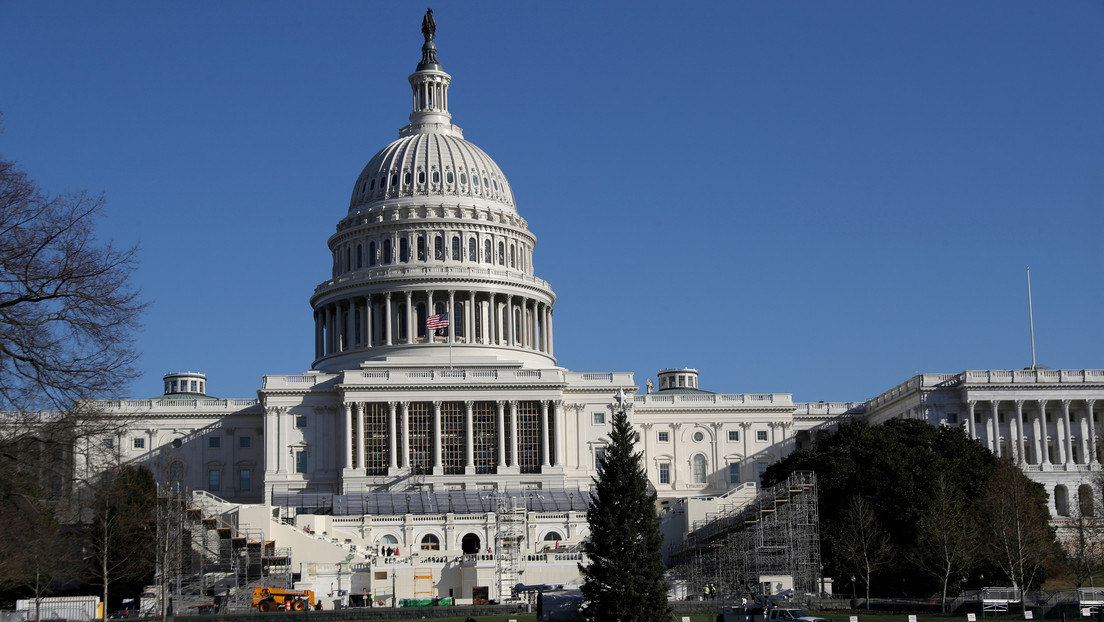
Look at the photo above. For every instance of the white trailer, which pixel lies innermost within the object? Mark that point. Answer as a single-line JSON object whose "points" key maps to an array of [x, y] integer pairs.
{"points": [[61, 608]]}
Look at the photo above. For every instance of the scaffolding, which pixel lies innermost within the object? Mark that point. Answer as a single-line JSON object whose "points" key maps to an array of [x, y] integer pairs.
{"points": [[777, 533], [510, 519]]}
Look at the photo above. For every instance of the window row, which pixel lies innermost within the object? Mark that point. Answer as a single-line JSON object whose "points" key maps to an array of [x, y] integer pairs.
{"points": [[699, 471], [357, 256], [214, 477], [410, 180], [664, 436]]}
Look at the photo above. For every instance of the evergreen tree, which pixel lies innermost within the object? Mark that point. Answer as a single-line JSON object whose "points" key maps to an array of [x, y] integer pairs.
{"points": [[623, 580]]}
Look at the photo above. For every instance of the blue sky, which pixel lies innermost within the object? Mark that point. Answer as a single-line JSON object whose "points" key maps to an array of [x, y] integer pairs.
{"points": [[817, 198]]}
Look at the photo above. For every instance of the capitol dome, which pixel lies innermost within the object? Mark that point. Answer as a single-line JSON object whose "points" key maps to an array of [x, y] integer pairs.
{"points": [[431, 162], [432, 264]]}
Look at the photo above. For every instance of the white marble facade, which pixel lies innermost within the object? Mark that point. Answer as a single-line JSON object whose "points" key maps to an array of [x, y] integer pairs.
{"points": [[483, 405]]}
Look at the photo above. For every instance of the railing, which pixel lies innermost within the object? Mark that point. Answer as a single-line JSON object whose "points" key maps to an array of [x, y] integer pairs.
{"points": [[369, 275], [657, 399], [452, 375]]}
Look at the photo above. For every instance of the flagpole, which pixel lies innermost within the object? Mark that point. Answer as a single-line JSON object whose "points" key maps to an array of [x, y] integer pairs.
{"points": [[1031, 318]]}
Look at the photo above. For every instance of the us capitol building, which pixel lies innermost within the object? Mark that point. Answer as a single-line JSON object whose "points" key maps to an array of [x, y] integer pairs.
{"points": [[436, 447]]}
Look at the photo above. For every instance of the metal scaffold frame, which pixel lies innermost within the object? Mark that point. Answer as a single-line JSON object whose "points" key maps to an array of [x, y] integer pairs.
{"points": [[777, 533], [510, 519]]}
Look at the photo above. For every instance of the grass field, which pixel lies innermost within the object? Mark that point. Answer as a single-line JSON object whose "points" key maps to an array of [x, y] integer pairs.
{"points": [[831, 616]]}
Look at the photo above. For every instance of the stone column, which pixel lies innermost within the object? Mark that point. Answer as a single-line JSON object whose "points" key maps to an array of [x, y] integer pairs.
{"points": [[469, 319], [513, 434], [508, 320], [405, 407], [411, 330], [388, 317], [437, 470], [366, 328], [452, 316], [319, 332], [392, 432], [1067, 442], [550, 349], [1021, 435], [971, 426], [1044, 435], [430, 310], [348, 436], [993, 428], [469, 440], [359, 410], [544, 434], [501, 423], [1092, 431], [559, 420]]}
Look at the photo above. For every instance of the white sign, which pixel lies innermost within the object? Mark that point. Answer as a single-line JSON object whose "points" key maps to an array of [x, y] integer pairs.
{"points": [[685, 618], [1028, 615], [912, 618], [971, 617], [1086, 612], [854, 618]]}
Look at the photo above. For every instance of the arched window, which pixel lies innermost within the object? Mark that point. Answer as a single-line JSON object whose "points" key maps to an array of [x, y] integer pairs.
{"points": [[456, 248], [387, 251], [420, 319], [431, 542], [513, 256], [404, 250], [455, 319], [439, 248], [360, 256], [552, 536], [1061, 500], [501, 254], [1085, 500], [348, 259], [371, 253], [421, 177], [436, 177], [421, 248], [698, 469], [488, 256], [406, 178], [389, 541], [470, 544], [472, 248]]}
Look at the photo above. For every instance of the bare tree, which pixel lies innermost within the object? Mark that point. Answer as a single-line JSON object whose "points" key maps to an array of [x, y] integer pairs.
{"points": [[123, 526], [865, 545], [67, 307], [946, 535], [1020, 539]]}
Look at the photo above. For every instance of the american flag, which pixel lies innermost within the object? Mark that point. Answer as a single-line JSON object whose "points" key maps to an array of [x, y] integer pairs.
{"points": [[435, 322]]}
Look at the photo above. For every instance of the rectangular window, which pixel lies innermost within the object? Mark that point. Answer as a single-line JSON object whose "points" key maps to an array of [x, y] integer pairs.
{"points": [[952, 417], [214, 442], [139, 443], [245, 479], [599, 454], [664, 473], [664, 437], [760, 435], [109, 443], [599, 418], [245, 441], [300, 421], [763, 469], [213, 479], [734, 472], [733, 435], [301, 461]]}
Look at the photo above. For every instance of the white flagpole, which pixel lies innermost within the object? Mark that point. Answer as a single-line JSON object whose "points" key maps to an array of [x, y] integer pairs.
{"points": [[1031, 318]]}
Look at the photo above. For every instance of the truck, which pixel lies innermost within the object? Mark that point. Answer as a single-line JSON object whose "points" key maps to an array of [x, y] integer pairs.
{"points": [[771, 615], [275, 599], [61, 608]]}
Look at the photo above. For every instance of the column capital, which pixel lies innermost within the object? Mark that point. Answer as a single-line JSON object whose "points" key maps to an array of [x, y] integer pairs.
{"points": [[971, 404], [512, 403], [1090, 402]]}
